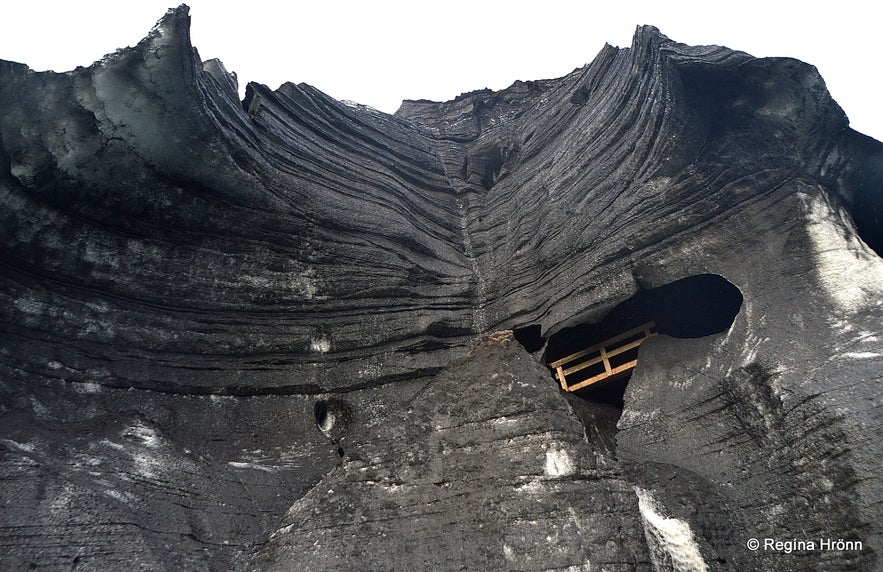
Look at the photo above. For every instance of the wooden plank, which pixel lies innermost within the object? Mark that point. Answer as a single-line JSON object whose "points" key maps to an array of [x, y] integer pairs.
{"points": [[583, 365], [644, 330], [607, 342], [572, 357], [629, 365], [625, 348], [602, 376], [606, 360], [599, 359]]}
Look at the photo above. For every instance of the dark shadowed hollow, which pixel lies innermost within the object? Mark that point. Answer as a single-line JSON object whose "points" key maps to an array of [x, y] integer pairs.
{"points": [[867, 208], [692, 307]]}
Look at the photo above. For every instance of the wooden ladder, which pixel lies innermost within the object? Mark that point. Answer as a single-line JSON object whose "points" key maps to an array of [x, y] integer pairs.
{"points": [[601, 353]]}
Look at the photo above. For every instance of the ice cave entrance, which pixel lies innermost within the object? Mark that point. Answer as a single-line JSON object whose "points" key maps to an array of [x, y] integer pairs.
{"points": [[586, 358]]}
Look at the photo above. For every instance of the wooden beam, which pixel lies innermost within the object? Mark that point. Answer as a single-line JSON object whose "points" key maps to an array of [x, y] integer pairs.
{"points": [[644, 330], [583, 365], [606, 361], [622, 349], [596, 347], [598, 359], [618, 370], [562, 379]]}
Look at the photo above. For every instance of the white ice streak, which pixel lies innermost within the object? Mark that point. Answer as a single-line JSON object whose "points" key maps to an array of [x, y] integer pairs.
{"points": [[670, 540], [252, 466], [558, 463], [860, 355], [26, 447]]}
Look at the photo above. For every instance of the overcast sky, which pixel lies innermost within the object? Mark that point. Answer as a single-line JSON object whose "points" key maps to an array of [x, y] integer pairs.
{"points": [[378, 53]]}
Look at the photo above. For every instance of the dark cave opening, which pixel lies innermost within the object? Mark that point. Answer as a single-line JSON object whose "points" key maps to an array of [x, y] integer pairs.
{"points": [[867, 207], [692, 307], [530, 337]]}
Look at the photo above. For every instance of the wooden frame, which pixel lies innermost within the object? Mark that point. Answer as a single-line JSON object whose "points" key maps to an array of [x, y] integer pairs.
{"points": [[600, 354]]}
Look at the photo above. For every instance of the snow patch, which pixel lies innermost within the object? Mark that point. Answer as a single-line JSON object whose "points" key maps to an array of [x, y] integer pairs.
{"points": [[632, 418], [321, 345], [531, 487], [253, 466], [60, 503], [146, 466], [508, 552], [751, 348], [111, 444], [308, 285], [88, 388], [100, 307], [29, 304], [370, 371], [123, 497], [38, 408], [361, 107], [26, 447], [860, 355], [559, 463], [843, 326], [142, 434], [587, 567], [24, 173], [670, 540]]}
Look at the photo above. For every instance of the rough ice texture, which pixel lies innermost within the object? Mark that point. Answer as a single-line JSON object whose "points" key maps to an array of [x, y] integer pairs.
{"points": [[184, 276]]}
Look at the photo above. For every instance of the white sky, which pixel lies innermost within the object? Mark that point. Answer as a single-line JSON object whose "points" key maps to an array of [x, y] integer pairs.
{"points": [[378, 53]]}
